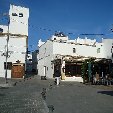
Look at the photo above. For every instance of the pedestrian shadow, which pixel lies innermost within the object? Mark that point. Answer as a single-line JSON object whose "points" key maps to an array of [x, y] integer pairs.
{"points": [[106, 92], [4, 87], [2, 94]]}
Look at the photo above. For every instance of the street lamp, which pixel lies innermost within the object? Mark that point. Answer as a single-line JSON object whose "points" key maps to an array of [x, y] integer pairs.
{"points": [[7, 42]]}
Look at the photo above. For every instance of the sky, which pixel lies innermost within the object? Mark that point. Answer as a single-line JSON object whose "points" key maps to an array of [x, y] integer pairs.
{"points": [[73, 17]]}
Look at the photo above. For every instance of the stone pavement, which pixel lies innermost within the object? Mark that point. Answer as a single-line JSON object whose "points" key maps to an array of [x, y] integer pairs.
{"points": [[73, 97], [23, 97], [34, 95], [3, 83]]}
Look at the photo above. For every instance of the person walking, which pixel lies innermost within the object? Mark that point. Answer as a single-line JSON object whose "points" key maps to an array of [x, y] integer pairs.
{"points": [[57, 76]]}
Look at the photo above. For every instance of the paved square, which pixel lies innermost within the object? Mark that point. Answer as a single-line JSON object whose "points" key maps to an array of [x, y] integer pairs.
{"points": [[68, 97]]}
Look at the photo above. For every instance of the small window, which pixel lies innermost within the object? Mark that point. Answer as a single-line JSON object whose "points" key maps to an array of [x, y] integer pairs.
{"points": [[60, 40], [23, 52], [20, 14], [30, 59], [9, 65], [1, 30], [14, 14], [74, 50], [45, 50], [98, 50]]}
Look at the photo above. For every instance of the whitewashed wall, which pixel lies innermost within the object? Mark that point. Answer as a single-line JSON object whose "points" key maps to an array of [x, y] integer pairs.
{"points": [[2, 58], [16, 51], [101, 54], [82, 50], [45, 58], [18, 25], [108, 50]]}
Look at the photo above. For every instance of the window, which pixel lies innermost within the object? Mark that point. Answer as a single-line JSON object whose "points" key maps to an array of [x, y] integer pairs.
{"points": [[1, 30], [60, 40], [47, 68], [20, 14], [9, 65], [30, 59], [14, 14], [45, 51], [98, 50], [23, 52], [74, 50]]}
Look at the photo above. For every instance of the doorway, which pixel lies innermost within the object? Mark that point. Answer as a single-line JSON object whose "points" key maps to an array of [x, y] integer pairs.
{"points": [[18, 71]]}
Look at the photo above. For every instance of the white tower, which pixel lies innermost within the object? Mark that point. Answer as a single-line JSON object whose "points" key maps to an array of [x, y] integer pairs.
{"points": [[18, 20]]}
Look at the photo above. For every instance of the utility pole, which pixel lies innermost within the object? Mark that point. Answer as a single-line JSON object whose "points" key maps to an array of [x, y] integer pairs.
{"points": [[7, 42]]}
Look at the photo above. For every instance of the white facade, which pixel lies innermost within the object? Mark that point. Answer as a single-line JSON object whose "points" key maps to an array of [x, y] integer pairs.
{"points": [[18, 36], [18, 19], [16, 51], [45, 67], [108, 48], [55, 48]]}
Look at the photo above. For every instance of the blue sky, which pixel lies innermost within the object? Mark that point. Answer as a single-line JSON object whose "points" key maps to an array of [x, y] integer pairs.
{"points": [[69, 16]]}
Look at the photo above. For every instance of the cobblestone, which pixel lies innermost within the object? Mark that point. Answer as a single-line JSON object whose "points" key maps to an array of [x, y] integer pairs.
{"points": [[25, 97]]}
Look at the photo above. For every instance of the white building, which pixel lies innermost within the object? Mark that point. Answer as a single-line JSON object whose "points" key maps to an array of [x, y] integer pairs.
{"points": [[16, 43], [60, 50]]}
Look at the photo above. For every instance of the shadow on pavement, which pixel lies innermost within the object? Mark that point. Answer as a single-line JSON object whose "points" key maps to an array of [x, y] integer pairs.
{"points": [[2, 94], [106, 92]]}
